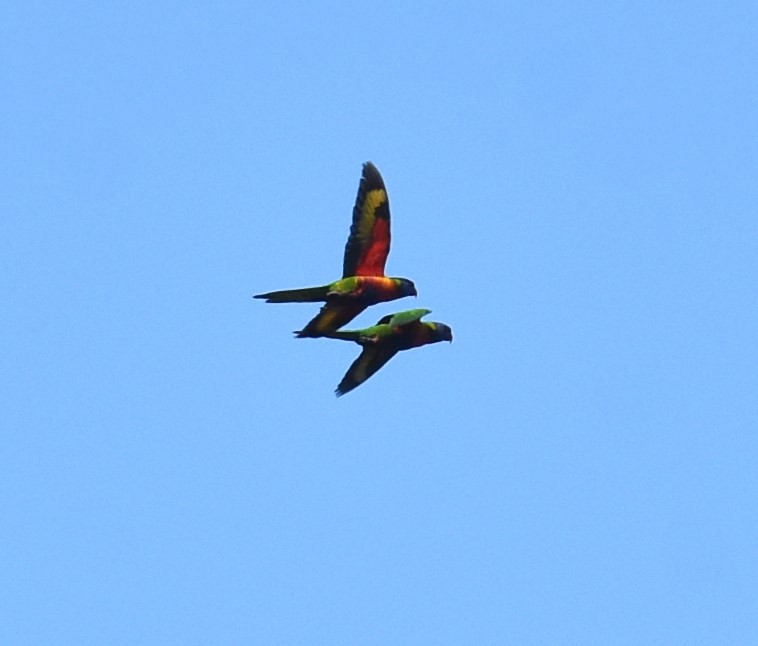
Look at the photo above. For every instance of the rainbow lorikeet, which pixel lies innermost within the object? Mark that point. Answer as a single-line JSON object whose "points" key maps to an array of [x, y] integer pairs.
{"points": [[363, 282], [381, 342]]}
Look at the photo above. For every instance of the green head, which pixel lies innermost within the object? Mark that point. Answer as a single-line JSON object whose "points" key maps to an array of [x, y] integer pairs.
{"points": [[406, 287], [441, 332]]}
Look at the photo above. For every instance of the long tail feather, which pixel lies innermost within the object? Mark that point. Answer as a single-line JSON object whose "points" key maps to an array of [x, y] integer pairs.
{"points": [[331, 317], [305, 295], [344, 335]]}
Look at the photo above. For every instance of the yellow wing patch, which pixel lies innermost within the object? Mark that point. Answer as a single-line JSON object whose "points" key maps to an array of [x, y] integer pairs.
{"points": [[374, 199]]}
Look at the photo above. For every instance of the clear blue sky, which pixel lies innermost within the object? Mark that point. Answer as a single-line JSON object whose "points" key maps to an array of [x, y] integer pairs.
{"points": [[573, 189]]}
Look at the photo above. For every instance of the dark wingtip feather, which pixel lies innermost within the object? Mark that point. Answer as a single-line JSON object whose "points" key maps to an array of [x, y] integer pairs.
{"points": [[371, 176], [344, 387]]}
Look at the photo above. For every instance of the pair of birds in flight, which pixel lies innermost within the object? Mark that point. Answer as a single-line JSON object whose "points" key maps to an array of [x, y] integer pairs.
{"points": [[363, 283]]}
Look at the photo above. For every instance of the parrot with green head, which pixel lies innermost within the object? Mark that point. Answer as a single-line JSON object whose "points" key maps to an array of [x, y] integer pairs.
{"points": [[363, 282], [381, 342]]}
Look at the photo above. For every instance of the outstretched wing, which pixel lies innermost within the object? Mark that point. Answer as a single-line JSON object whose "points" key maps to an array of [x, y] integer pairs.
{"points": [[369, 241], [403, 318], [371, 359], [407, 317], [330, 318]]}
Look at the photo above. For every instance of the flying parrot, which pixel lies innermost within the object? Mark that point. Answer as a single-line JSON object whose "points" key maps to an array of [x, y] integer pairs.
{"points": [[363, 282], [381, 342]]}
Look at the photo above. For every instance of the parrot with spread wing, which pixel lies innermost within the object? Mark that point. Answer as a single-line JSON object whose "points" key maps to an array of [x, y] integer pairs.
{"points": [[381, 342], [363, 282]]}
